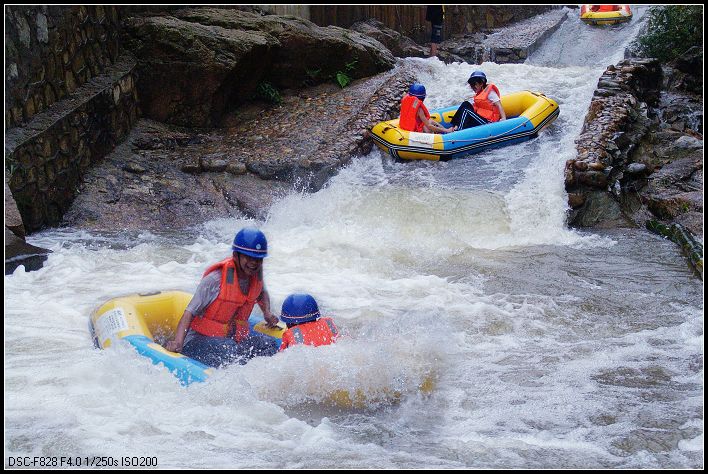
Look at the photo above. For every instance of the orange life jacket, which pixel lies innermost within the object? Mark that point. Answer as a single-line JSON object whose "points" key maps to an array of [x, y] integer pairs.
{"points": [[409, 114], [315, 333], [485, 107], [604, 8], [230, 311]]}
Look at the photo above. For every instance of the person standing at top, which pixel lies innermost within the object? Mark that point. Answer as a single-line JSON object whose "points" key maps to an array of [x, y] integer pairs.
{"points": [[214, 328], [414, 114], [301, 314], [486, 107], [435, 14]]}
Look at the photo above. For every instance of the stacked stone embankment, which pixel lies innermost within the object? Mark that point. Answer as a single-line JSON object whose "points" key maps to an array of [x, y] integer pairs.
{"points": [[515, 43], [511, 44], [52, 50], [638, 163], [47, 157], [70, 96], [616, 121]]}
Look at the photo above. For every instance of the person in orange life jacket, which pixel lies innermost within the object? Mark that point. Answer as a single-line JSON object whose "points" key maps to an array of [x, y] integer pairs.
{"points": [[415, 116], [214, 328], [305, 325], [604, 8], [487, 106]]}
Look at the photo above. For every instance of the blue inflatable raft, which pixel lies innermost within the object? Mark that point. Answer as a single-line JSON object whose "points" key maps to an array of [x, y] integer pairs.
{"points": [[527, 114]]}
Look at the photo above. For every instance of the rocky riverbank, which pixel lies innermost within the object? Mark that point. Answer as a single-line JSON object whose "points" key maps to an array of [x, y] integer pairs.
{"points": [[639, 155], [167, 177]]}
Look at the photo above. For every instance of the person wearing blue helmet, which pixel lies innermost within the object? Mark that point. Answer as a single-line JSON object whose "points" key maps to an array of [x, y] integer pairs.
{"points": [[301, 314], [485, 106], [214, 328], [414, 114]]}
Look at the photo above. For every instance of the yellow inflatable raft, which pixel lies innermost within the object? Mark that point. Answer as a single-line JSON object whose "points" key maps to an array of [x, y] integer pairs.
{"points": [[605, 14], [141, 319], [527, 114]]}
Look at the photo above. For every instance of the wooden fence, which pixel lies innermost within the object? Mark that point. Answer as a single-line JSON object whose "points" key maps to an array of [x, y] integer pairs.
{"points": [[410, 19]]}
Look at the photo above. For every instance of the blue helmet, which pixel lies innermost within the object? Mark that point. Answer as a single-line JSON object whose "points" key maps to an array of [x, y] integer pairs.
{"points": [[477, 76], [299, 308], [251, 242], [417, 89]]}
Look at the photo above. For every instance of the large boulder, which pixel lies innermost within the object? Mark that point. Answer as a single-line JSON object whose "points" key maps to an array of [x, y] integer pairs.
{"points": [[13, 219], [196, 64], [18, 252], [687, 72], [401, 46]]}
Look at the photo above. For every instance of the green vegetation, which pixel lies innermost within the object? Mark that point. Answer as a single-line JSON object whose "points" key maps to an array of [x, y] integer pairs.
{"points": [[313, 77], [10, 165], [342, 77], [267, 92], [672, 30]]}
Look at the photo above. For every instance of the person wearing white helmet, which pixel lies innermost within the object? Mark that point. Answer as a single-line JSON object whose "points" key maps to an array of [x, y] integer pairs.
{"points": [[214, 328]]}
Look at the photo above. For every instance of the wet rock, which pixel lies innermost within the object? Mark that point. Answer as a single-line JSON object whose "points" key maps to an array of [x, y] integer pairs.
{"points": [[236, 168], [687, 142], [649, 440], [670, 206], [213, 163], [576, 200], [637, 169], [18, 252], [401, 46], [132, 167], [615, 124], [13, 220], [192, 165], [514, 43], [594, 179]]}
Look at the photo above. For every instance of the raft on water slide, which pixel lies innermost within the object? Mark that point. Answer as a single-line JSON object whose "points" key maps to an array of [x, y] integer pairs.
{"points": [[527, 114], [138, 318], [605, 14]]}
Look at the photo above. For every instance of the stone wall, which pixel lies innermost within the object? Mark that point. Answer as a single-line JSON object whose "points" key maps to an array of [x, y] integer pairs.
{"points": [[46, 158], [50, 51], [70, 97], [614, 125]]}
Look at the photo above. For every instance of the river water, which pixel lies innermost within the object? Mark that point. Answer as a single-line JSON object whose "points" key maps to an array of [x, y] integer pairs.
{"points": [[550, 347]]}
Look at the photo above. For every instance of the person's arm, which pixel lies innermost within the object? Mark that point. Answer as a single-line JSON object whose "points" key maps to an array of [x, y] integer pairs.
{"points": [[432, 124], [206, 293], [175, 345], [286, 341], [264, 302], [501, 111]]}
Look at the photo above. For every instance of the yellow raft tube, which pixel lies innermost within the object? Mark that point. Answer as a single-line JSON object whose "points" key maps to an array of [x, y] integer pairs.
{"points": [[527, 114], [140, 319], [606, 14]]}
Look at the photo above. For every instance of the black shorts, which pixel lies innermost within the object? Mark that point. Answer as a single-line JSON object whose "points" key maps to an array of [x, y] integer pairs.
{"points": [[436, 33]]}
